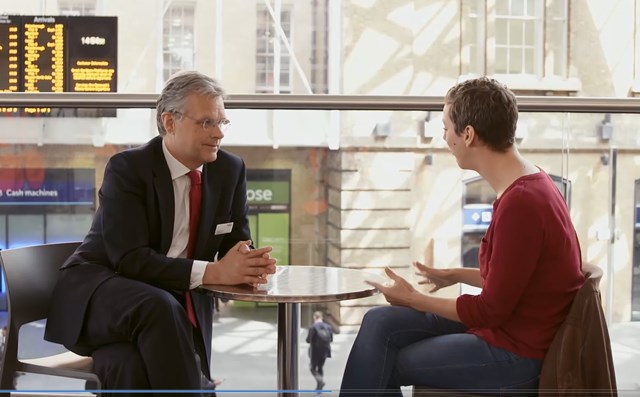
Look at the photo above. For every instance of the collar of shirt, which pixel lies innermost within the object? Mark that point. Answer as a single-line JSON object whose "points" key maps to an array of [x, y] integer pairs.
{"points": [[176, 168], [180, 233]]}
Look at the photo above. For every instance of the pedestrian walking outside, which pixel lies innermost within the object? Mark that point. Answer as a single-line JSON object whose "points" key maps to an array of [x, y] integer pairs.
{"points": [[319, 337]]}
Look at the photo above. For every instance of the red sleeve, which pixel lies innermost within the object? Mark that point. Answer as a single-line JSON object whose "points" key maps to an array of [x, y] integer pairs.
{"points": [[512, 252]]}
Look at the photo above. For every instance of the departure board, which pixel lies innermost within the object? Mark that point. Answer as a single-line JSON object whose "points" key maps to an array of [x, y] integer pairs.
{"points": [[9, 59], [92, 49], [57, 54]]}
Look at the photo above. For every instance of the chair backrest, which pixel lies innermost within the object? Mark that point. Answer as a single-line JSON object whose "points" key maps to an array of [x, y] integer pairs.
{"points": [[31, 274], [592, 272], [579, 357]]}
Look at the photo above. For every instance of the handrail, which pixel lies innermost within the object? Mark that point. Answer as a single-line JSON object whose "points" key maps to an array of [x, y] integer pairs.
{"points": [[547, 104]]}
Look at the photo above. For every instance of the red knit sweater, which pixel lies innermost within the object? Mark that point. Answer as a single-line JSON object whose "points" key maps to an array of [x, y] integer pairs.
{"points": [[530, 267]]}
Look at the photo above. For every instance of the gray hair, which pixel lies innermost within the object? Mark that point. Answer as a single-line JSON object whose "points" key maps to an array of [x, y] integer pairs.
{"points": [[179, 87]]}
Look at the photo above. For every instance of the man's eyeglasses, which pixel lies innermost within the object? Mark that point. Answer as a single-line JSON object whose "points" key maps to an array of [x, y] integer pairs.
{"points": [[208, 124]]}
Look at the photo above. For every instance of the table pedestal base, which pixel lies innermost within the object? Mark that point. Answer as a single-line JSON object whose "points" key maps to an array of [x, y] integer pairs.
{"points": [[288, 320]]}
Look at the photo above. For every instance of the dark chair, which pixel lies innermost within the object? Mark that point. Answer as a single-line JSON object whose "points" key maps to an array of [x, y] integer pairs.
{"points": [[31, 274], [559, 375]]}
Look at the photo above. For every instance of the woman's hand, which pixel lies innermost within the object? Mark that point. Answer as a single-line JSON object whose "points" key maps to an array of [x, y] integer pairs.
{"points": [[437, 278], [400, 293]]}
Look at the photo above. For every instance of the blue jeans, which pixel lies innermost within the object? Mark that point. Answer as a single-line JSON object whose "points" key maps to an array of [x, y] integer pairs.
{"points": [[398, 346]]}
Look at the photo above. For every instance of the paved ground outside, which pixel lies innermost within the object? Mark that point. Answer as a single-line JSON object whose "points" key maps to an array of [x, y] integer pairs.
{"points": [[244, 355]]}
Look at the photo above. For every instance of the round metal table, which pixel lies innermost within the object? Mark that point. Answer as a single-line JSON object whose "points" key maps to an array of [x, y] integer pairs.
{"points": [[288, 287]]}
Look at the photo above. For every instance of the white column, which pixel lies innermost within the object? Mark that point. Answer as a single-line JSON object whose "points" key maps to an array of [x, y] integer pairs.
{"points": [[334, 69]]}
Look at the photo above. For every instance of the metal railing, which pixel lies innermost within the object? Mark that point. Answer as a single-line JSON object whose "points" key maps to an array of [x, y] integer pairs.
{"points": [[549, 104]]}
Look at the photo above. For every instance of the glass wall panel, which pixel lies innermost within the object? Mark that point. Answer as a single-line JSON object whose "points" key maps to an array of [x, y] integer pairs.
{"points": [[3, 232], [67, 227], [25, 230], [368, 188]]}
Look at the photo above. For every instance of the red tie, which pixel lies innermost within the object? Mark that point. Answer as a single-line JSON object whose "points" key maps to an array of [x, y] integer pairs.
{"points": [[195, 197]]}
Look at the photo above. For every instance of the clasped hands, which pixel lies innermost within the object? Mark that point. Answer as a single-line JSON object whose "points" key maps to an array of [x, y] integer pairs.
{"points": [[401, 293], [241, 265]]}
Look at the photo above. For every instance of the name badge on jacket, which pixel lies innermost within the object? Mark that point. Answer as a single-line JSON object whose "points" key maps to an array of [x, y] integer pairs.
{"points": [[224, 228]]}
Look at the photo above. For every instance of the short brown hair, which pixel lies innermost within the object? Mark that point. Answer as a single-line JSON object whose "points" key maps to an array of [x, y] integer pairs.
{"points": [[489, 107]]}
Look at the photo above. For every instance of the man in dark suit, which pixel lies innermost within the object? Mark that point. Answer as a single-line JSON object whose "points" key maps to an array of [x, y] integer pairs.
{"points": [[125, 296], [319, 337]]}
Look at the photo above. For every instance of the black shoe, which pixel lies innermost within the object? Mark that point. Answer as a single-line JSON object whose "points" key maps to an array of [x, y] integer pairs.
{"points": [[320, 385]]}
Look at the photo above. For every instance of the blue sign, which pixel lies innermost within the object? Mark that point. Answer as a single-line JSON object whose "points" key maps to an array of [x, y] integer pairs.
{"points": [[53, 186], [477, 216], [637, 216]]}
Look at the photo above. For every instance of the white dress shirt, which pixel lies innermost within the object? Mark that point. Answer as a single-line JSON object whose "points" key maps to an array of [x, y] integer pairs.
{"points": [[180, 236]]}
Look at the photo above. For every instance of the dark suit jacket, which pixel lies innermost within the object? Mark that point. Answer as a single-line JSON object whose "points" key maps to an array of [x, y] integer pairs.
{"points": [[132, 231], [317, 347]]}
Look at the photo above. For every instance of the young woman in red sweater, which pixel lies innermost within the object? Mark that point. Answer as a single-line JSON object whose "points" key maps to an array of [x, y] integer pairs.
{"points": [[530, 271]]}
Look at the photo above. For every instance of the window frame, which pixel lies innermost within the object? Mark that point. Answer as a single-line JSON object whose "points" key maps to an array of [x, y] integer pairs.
{"points": [[538, 46], [547, 75], [170, 35], [266, 57], [77, 7]]}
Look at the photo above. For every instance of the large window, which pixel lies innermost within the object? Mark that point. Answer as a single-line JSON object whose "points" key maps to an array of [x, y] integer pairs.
{"points": [[518, 31], [267, 46], [178, 45], [514, 37]]}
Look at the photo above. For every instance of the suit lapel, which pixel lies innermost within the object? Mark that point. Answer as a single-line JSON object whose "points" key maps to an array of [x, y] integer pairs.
{"points": [[211, 185], [164, 193]]}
